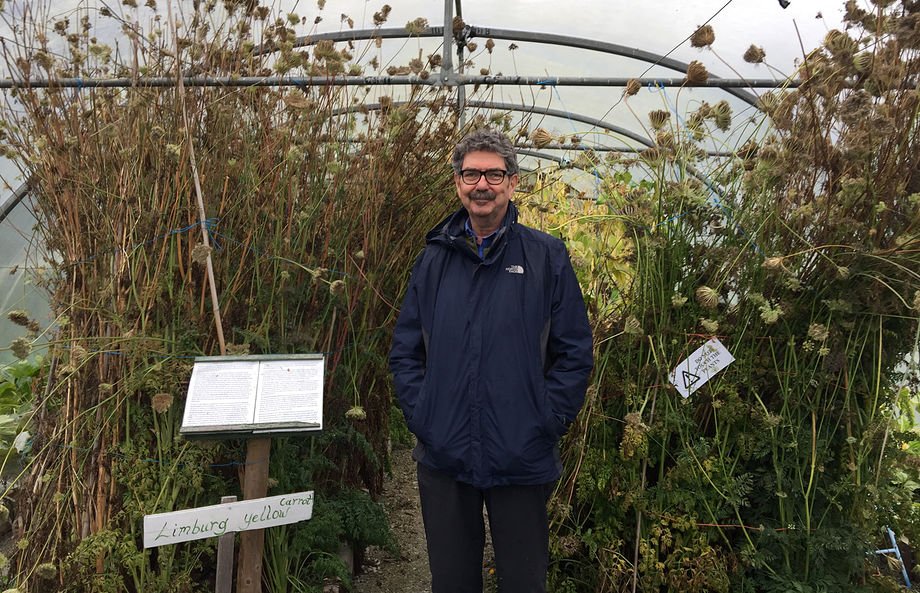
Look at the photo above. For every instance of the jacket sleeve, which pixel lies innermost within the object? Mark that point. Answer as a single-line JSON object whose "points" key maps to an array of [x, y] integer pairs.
{"points": [[408, 356], [569, 346]]}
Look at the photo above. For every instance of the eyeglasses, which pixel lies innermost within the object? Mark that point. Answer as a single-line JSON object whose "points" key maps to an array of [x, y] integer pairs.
{"points": [[493, 176]]}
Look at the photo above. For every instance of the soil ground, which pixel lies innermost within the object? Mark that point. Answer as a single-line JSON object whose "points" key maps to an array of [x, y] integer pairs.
{"points": [[382, 573]]}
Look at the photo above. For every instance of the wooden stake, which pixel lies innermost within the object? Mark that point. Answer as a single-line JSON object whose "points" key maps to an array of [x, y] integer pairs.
{"points": [[255, 485], [225, 557]]}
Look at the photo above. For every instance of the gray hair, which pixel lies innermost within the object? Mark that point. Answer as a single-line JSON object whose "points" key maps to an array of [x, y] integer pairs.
{"points": [[485, 140]]}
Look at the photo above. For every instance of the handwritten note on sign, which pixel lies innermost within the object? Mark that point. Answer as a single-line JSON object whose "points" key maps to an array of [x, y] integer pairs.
{"points": [[215, 520], [702, 365]]}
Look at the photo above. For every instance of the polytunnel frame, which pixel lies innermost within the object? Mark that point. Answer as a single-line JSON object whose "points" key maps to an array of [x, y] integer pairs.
{"points": [[448, 76]]}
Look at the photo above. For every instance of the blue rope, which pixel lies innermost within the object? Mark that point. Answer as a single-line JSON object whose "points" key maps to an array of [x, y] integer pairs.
{"points": [[207, 224], [552, 83]]}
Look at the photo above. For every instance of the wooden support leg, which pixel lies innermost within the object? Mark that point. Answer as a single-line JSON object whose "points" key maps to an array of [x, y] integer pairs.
{"points": [[255, 485], [225, 557]]}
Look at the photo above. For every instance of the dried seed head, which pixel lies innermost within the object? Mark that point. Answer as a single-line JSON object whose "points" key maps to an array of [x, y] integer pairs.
{"points": [[707, 297], [540, 137], [769, 155], [238, 349], [337, 288], [458, 25], [490, 45], [843, 272], [703, 37], [173, 152], [161, 402], [817, 332], [664, 139], [839, 43], [417, 26], [862, 62], [792, 145], [696, 74], [652, 157], [754, 54], [710, 325], [105, 388], [19, 317], [749, 150], [381, 17], [678, 300], [658, 118], [633, 327], [723, 121], [856, 107], [915, 304], [77, 356], [46, 571], [298, 101], [721, 108], [471, 46], [767, 102], [21, 348], [200, 254], [632, 87], [635, 420], [769, 315], [356, 413], [773, 263], [695, 122]]}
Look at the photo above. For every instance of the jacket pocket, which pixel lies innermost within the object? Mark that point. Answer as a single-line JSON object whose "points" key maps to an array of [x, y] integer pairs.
{"points": [[553, 427], [417, 422]]}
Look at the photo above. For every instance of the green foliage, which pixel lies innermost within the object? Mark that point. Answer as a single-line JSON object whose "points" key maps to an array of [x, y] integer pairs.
{"points": [[798, 254], [16, 398], [311, 239], [399, 432]]}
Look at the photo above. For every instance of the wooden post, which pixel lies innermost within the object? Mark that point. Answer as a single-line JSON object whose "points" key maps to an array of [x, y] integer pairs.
{"points": [[255, 485], [225, 557]]}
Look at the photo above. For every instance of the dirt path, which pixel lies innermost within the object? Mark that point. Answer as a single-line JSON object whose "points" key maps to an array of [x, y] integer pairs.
{"points": [[408, 574]]}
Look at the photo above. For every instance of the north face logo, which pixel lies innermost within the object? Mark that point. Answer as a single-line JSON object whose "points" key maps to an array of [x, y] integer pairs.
{"points": [[515, 269]]}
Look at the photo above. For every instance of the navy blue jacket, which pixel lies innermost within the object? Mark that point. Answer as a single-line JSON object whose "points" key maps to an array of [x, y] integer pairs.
{"points": [[491, 357]]}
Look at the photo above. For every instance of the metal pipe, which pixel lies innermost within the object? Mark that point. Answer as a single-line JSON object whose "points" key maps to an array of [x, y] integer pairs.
{"points": [[21, 192], [462, 79], [544, 38]]}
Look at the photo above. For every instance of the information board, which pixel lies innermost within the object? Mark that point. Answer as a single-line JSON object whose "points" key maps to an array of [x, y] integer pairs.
{"points": [[253, 396]]}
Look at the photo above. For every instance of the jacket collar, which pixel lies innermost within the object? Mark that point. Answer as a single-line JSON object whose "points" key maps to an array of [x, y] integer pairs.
{"points": [[452, 231]]}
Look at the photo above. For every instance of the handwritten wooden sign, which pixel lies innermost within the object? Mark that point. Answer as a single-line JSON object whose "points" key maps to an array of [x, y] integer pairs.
{"points": [[183, 526]]}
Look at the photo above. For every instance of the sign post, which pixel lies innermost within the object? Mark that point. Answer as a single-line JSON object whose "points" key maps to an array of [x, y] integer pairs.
{"points": [[225, 557], [254, 397], [255, 486]]}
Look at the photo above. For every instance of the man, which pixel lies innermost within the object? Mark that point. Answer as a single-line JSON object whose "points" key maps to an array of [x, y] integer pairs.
{"points": [[491, 357]]}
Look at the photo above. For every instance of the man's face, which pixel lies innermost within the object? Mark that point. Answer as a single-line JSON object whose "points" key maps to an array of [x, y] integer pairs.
{"points": [[483, 201]]}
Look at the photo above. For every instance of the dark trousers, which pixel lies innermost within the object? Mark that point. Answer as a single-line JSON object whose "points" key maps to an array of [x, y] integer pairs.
{"points": [[452, 512]]}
